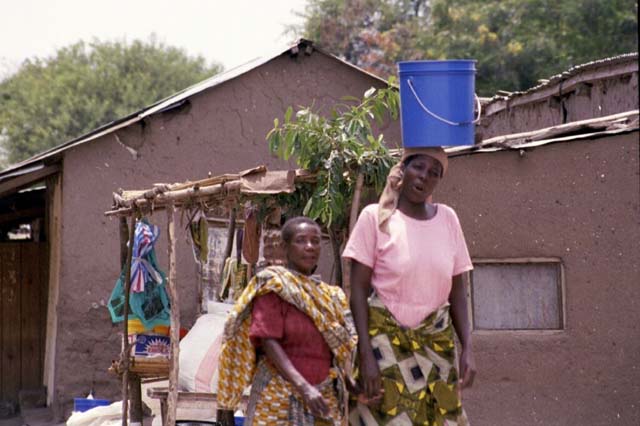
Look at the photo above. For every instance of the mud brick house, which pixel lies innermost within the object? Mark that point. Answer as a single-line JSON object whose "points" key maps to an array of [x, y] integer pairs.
{"points": [[550, 206], [549, 202], [65, 341]]}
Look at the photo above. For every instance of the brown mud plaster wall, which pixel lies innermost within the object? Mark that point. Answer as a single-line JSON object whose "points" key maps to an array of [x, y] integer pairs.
{"points": [[594, 99], [603, 97], [579, 201], [222, 131]]}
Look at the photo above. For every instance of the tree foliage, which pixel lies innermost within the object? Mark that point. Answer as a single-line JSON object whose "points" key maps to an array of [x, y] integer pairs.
{"points": [[336, 149], [86, 85], [516, 42]]}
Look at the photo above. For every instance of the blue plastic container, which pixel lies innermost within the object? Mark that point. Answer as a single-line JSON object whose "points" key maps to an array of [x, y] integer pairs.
{"points": [[238, 421], [437, 102], [84, 404]]}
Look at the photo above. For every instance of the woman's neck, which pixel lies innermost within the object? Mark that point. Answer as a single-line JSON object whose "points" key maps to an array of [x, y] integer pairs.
{"points": [[297, 271], [420, 211]]}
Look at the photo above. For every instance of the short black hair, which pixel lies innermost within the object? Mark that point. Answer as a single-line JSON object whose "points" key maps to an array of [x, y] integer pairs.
{"points": [[289, 227]]}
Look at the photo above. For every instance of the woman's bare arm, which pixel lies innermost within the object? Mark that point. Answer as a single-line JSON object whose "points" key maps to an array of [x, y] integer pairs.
{"points": [[371, 382], [462, 325]]}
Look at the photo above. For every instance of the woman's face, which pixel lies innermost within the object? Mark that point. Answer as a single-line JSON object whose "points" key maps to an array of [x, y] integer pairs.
{"points": [[421, 176], [303, 251]]}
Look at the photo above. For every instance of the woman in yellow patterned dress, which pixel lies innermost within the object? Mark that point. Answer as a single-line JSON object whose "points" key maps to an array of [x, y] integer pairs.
{"points": [[289, 336]]}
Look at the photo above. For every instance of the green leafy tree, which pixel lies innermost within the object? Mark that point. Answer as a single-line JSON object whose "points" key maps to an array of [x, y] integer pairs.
{"points": [[340, 149], [86, 85], [516, 42]]}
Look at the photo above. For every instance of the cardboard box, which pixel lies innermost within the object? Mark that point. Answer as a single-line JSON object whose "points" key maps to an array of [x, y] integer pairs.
{"points": [[150, 345]]}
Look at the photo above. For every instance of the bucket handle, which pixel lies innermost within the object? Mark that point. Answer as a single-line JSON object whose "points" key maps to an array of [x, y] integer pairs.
{"points": [[444, 120]]}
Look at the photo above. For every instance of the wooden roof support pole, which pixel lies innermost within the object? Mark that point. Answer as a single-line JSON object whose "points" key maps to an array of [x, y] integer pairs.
{"points": [[124, 235], [355, 203], [353, 218], [172, 399], [124, 356], [228, 249]]}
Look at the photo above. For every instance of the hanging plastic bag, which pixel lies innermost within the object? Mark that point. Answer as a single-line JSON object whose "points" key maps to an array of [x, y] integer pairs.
{"points": [[148, 299]]}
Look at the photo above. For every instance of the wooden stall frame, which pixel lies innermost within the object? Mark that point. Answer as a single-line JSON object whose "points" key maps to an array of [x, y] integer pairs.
{"points": [[220, 190]]}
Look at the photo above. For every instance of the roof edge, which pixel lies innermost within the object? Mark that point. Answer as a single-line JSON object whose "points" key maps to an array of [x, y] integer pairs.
{"points": [[294, 48], [624, 122], [564, 82]]}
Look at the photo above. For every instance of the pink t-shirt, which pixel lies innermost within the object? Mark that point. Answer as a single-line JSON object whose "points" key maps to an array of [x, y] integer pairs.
{"points": [[413, 264]]}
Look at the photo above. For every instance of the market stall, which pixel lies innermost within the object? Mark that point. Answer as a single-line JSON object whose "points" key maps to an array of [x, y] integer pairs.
{"points": [[255, 198]]}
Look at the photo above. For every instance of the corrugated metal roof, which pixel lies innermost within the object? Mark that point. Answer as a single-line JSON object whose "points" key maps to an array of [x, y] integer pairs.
{"points": [[302, 45], [25, 170]]}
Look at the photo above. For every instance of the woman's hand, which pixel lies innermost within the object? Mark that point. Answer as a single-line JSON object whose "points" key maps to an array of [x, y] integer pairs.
{"points": [[353, 387], [370, 378], [467, 368], [310, 395], [314, 401]]}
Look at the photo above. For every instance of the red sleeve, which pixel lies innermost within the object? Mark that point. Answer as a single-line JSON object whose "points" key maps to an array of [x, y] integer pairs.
{"points": [[267, 318]]}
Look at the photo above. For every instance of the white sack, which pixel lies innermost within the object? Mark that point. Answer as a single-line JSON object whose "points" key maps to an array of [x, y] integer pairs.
{"points": [[106, 415], [200, 350]]}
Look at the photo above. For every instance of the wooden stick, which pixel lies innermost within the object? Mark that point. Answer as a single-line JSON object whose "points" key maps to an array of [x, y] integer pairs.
{"points": [[335, 249], [125, 328], [135, 390], [175, 320], [124, 234], [135, 405], [181, 194], [353, 218], [231, 230], [355, 203], [186, 193], [163, 200]]}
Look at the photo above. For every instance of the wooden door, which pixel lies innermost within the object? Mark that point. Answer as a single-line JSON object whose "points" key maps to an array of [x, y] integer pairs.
{"points": [[23, 309]]}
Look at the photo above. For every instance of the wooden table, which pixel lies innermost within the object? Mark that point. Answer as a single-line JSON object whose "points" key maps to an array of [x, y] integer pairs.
{"points": [[186, 400], [141, 368]]}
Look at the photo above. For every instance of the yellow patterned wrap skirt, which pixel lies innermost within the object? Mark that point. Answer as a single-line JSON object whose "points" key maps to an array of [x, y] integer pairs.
{"points": [[273, 401], [419, 372]]}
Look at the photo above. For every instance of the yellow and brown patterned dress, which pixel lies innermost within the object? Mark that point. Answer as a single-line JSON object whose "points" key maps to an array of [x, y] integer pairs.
{"points": [[419, 374], [272, 400]]}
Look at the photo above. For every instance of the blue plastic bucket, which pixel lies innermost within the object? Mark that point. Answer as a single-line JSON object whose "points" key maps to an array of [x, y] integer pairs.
{"points": [[437, 102], [84, 404]]}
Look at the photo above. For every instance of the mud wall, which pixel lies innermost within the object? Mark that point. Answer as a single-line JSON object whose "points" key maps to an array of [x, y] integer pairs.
{"points": [[579, 201], [221, 130], [593, 99]]}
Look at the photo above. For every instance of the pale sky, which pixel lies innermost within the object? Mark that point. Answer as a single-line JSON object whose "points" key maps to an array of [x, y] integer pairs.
{"points": [[231, 32]]}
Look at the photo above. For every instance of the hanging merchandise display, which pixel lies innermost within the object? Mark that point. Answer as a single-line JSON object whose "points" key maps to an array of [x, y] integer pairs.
{"points": [[199, 229], [148, 300], [251, 240], [235, 273]]}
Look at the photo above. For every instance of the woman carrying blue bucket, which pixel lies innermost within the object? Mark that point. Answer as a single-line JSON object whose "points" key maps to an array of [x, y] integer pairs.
{"points": [[413, 254]]}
